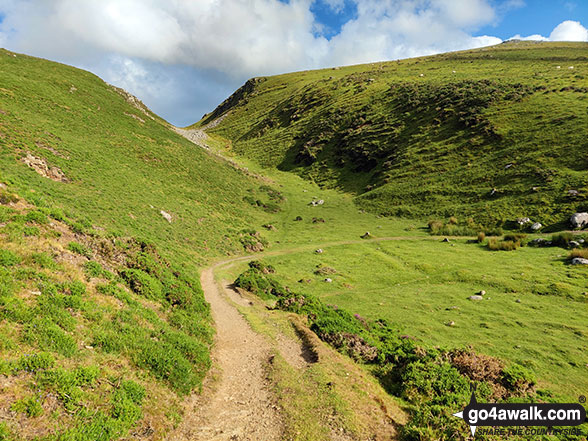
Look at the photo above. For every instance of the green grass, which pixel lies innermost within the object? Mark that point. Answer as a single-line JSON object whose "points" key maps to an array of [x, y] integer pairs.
{"points": [[412, 138], [122, 172], [57, 327], [420, 286]]}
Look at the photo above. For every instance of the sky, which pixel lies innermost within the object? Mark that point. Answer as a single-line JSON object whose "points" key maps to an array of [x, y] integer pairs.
{"points": [[184, 57]]}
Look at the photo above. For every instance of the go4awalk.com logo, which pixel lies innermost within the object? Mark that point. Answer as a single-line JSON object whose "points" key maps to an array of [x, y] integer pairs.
{"points": [[548, 415]]}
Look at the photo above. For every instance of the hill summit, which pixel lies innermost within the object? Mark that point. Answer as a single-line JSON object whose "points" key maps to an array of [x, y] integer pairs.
{"points": [[494, 133]]}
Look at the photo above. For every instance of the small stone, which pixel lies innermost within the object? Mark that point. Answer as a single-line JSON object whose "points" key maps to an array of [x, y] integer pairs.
{"points": [[476, 298], [319, 251], [328, 280], [518, 300], [536, 226], [482, 293], [445, 240], [450, 323], [166, 216]]}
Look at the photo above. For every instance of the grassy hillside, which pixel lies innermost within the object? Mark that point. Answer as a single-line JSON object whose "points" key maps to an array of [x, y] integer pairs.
{"points": [[118, 165], [493, 133], [99, 335], [105, 217]]}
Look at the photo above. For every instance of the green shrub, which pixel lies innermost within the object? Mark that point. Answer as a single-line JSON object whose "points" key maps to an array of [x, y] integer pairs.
{"points": [[254, 281], [502, 245], [29, 406], [48, 335], [191, 324], [93, 269], [8, 258], [143, 284], [43, 260], [168, 364], [517, 378], [37, 217], [562, 239], [75, 288], [124, 407], [7, 198], [35, 362], [31, 231], [57, 214], [581, 253], [81, 249]]}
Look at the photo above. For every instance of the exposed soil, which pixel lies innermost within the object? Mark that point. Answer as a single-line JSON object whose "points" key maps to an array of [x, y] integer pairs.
{"points": [[237, 406], [236, 403], [41, 167]]}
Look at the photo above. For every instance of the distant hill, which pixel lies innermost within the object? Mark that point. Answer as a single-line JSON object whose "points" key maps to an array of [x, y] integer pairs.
{"points": [[107, 160], [493, 133]]}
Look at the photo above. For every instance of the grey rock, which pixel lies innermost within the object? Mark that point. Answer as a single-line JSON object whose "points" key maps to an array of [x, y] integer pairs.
{"points": [[476, 298], [329, 280], [445, 240], [536, 226], [579, 261], [579, 220], [319, 251], [574, 244], [518, 300], [523, 220]]}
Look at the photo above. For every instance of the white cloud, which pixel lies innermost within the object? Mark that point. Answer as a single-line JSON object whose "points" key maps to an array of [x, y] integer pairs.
{"points": [[565, 31], [336, 5], [569, 31], [133, 42], [534, 37]]}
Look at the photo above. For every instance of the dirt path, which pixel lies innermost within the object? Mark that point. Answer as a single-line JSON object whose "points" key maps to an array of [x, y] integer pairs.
{"points": [[236, 405]]}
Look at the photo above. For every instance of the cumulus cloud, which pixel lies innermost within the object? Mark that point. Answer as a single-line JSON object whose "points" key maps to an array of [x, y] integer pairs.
{"points": [[565, 31], [569, 31], [140, 44]]}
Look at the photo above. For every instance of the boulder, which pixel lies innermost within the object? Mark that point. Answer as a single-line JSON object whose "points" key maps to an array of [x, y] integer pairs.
{"points": [[536, 226], [523, 220], [579, 261], [476, 298], [574, 244], [579, 220]]}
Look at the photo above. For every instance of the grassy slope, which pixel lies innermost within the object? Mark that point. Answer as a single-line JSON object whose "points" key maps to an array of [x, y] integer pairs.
{"points": [[122, 171], [414, 284], [414, 138], [124, 165], [82, 355]]}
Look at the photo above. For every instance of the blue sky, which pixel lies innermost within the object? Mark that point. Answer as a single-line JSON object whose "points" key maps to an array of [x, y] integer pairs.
{"points": [[184, 57]]}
